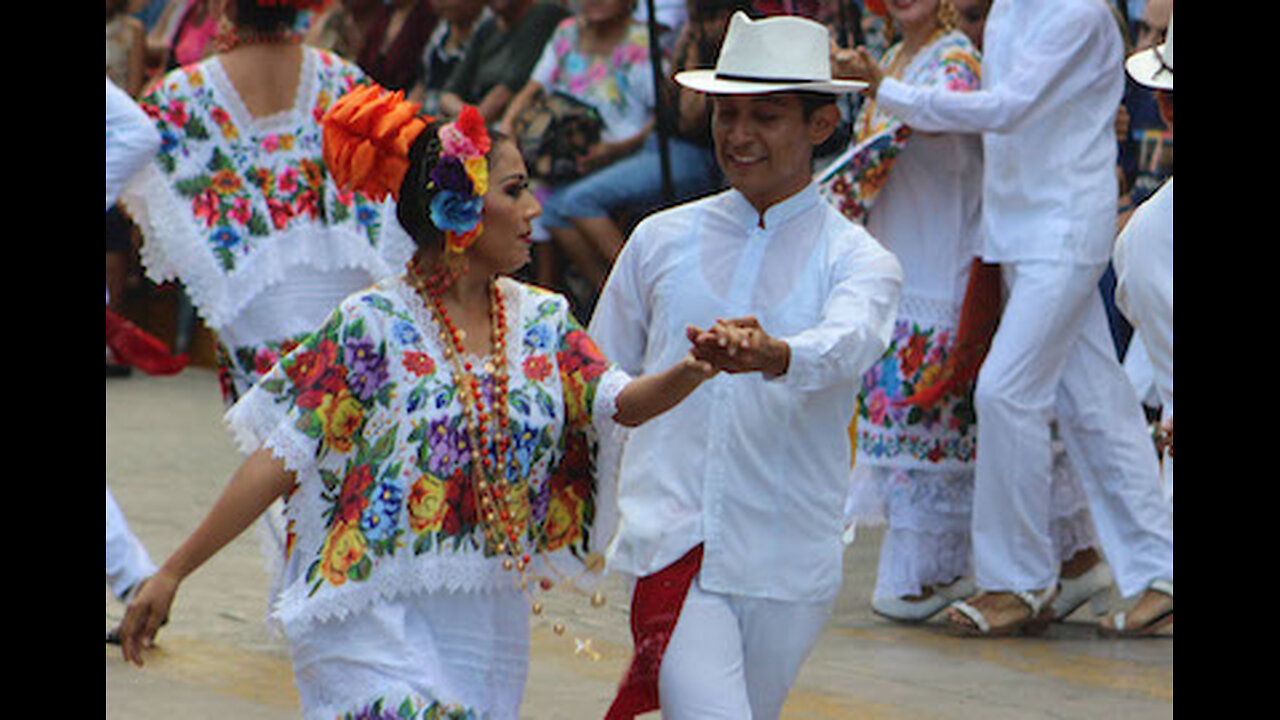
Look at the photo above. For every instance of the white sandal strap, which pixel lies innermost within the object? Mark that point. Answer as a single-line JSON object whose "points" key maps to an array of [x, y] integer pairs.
{"points": [[1118, 622], [1162, 586], [973, 614], [1031, 601]]}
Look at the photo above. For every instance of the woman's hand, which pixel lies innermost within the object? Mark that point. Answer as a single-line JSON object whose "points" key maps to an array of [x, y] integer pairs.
{"points": [[856, 64], [147, 612]]}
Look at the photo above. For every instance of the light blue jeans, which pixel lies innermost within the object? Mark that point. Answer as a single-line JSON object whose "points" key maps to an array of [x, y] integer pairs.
{"points": [[635, 183]]}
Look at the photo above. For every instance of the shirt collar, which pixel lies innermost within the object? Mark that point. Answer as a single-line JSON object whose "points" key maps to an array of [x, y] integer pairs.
{"points": [[777, 213]]}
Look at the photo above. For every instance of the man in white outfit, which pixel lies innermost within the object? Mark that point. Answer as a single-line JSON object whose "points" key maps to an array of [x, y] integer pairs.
{"points": [[131, 141], [1052, 80], [1144, 251], [731, 506]]}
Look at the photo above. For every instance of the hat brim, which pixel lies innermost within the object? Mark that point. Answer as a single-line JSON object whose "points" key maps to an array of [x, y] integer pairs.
{"points": [[705, 81], [1145, 69]]}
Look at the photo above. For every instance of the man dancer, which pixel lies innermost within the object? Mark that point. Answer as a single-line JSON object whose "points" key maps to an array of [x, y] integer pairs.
{"points": [[731, 506], [1052, 81]]}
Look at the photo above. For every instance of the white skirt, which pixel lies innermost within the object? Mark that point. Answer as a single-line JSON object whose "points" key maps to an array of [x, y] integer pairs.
{"points": [[927, 540], [467, 653]]}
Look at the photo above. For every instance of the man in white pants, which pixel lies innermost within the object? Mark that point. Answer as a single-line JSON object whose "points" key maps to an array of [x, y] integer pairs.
{"points": [[1052, 81], [731, 506]]}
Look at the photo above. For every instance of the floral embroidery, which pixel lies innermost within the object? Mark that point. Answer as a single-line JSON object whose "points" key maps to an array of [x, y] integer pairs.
{"points": [[597, 80], [242, 185], [373, 394], [888, 429], [410, 709], [240, 367], [854, 179]]}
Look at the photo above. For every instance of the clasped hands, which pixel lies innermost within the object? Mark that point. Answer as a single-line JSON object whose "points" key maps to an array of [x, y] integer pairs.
{"points": [[739, 345]]}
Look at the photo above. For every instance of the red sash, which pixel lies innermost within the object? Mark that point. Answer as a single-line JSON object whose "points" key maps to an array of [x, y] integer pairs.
{"points": [[134, 346], [655, 608]]}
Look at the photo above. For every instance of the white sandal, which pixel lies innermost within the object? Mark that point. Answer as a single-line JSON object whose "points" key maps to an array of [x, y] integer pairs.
{"points": [[906, 611], [1039, 618], [1154, 625]]}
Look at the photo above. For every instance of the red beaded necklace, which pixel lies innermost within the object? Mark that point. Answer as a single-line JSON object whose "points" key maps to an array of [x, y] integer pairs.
{"points": [[487, 428], [502, 528]]}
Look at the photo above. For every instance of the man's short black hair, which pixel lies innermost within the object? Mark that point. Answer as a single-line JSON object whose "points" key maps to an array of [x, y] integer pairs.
{"points": [[811, 101]]}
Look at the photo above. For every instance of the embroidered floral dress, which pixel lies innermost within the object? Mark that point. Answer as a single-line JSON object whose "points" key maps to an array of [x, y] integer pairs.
{"points": [[944, 173], [914, 466], [391, 594], [242, 211]]}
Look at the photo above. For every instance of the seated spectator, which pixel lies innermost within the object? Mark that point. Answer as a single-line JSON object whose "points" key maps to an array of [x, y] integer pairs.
{"points": [[582, 217], [392, 49], [445, 48], [500, 56], [342, 27], [599, 57]]}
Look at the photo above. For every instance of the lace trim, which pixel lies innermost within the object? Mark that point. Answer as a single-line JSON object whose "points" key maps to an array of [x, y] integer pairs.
{"points": [[611, 439], [927, 311], [303, 100], [176, 249], [426, 318]]}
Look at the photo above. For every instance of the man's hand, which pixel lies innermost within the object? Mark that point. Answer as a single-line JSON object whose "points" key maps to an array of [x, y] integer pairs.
{"points": [[740, 345]]}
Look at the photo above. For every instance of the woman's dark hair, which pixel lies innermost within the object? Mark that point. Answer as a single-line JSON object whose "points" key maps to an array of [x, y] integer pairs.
{"points": [[252, 16], [413, 209]]}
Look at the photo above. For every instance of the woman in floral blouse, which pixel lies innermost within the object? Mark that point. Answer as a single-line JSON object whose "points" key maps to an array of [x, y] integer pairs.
{"points": [[438, 442], [238, 204]]}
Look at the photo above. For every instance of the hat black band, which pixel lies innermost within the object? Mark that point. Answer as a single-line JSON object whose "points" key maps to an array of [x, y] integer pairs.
{"points": [[765, 81], [1164, 67]]}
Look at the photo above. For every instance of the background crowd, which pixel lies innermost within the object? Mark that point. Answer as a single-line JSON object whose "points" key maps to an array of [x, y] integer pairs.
{"points": [[502, 54]]}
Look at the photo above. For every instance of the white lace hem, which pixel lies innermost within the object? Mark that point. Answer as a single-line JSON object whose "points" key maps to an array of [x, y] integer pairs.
{"points": [[176, 249]]}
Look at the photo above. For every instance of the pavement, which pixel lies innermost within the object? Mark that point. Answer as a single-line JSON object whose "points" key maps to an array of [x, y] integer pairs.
{"points": [[168, 457]]}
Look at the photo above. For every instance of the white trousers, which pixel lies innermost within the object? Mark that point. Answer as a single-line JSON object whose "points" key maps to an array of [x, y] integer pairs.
{"points": [[1052, 355], [736, 657], [127, 559]]}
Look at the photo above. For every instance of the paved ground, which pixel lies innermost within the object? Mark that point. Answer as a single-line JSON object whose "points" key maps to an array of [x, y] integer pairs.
{"points": [[168, 457]]}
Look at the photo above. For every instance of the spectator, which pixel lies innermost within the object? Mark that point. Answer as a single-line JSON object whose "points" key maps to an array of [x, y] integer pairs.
{"points": [[126, 48], [342, 27], [397, 34], [500, 57], [445, 48], [600, 57]]}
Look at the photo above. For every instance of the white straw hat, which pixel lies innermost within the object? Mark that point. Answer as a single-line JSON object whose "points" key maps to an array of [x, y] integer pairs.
{"points": [[782, 53], [1153, 67]]}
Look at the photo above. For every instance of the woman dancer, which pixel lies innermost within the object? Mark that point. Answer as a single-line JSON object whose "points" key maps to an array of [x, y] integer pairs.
{"points": [[435, 441]]}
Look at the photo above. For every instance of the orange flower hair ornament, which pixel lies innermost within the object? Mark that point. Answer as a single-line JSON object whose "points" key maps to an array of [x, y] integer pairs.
{"points": [[367, 136]]}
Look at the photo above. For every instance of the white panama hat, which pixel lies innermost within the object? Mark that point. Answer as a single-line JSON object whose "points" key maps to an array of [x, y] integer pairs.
{"points": [[1153, 67], [782, 53]]}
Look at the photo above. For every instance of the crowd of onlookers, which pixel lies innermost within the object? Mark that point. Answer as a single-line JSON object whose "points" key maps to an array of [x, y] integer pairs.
{"points": [[516, 59]]}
